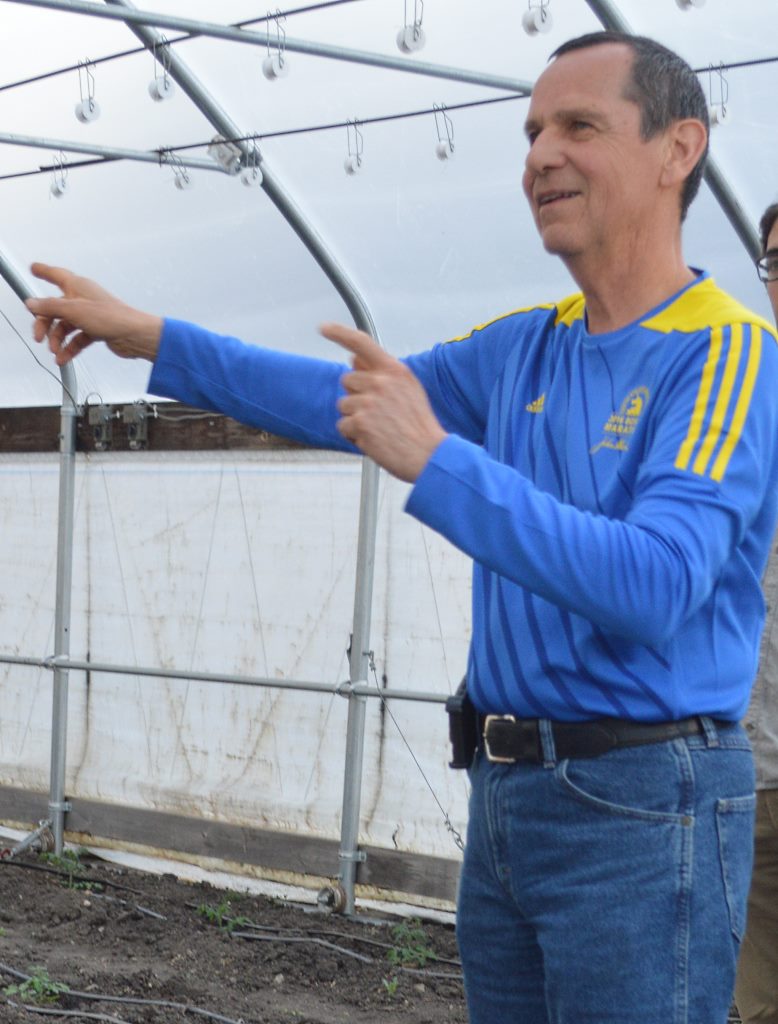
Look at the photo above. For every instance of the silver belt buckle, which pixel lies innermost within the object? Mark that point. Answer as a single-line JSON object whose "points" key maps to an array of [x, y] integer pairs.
{"points": [[494, 758]]}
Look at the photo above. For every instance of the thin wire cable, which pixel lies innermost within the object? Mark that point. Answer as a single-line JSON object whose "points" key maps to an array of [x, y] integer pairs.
{"points": [[32, 353], [120, 54], [259, 137], [455, 835]]}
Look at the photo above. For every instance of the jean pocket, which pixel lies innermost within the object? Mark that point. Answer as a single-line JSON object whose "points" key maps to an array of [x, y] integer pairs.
{"points": [[638, 782], [735, 828]]}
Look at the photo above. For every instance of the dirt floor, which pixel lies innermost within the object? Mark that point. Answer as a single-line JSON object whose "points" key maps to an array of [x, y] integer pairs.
{"points": [[173, 952]]}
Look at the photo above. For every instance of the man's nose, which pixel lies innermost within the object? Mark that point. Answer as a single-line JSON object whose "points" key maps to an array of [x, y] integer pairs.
{"points": [[544, 153]]}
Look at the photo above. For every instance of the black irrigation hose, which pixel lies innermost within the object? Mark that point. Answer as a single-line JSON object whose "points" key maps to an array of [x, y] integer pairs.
{"points": [[258, 937], [81, 1014], [4, 862], [98, 997]]}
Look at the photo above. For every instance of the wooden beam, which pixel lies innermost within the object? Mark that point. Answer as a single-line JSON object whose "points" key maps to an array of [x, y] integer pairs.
{"points": [[394, 871], [176, 427]]}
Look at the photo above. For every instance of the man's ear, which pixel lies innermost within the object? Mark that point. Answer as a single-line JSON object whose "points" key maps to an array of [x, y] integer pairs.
{"points": [[686, 141]]}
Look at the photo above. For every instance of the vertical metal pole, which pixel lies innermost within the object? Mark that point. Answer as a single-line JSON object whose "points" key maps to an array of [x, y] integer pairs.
{"points": [[58, 806], [349, 855], [67, 468]]}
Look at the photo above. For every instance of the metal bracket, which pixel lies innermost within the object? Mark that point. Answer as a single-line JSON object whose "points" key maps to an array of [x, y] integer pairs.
{"points": [[135, 419], [358, 856], [100, 420]]}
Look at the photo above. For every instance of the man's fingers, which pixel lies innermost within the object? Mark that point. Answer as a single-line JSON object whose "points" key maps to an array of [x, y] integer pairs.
{"points": [[367, 351], [77, 344], [54, 275], [51, 309]]}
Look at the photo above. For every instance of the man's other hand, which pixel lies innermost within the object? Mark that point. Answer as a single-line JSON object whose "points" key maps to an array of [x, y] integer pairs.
{"points": [[84, 313], [385, 412]]}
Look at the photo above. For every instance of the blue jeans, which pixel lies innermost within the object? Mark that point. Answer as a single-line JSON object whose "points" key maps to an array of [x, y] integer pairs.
{"points": [[608, 890]]}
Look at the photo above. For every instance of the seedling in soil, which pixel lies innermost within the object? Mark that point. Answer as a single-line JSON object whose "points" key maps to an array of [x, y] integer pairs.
{"points": [[411, 948], [70, 862], [38, 988], [390, 984], [220, 916]]}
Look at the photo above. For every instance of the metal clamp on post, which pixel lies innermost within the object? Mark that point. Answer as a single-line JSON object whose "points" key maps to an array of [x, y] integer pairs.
{"points": [[353, 856]]}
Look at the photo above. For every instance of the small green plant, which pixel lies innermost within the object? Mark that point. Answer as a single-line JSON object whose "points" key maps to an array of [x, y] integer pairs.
{"points": [[220, 915], [70, 862], [2, 933], [390, 984], [38, 988], [411, 947]]}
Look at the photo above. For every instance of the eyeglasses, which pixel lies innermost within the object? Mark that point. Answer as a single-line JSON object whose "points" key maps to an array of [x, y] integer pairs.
{"points": [[767, 267]]}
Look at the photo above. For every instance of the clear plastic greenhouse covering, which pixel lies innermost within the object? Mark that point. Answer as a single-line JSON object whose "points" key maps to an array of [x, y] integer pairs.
{"points": [[245, 564], [433, 245]]}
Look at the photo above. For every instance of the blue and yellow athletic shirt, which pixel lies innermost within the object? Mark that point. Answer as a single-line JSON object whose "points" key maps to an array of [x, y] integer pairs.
{"points": [[616, 491]]}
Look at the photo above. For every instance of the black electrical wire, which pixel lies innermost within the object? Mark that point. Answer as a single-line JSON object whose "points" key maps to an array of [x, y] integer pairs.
{"points": [[261, 136], [169, 42]]}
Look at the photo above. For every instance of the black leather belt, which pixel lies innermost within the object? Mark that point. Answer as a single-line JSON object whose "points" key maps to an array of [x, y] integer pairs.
{"points": [[506, 739]]}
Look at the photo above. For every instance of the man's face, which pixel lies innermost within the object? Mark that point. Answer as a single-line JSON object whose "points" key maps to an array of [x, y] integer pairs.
{"points": [[772, 286], [591, 180]]}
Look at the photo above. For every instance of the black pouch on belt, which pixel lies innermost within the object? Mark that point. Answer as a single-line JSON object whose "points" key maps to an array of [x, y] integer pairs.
{"points": [[462, 727]]}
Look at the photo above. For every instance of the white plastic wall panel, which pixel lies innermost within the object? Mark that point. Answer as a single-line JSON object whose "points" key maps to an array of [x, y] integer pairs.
{"points": [[238, 566]]}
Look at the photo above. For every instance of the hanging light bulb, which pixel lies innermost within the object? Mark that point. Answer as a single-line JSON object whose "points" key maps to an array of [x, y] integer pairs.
{"points": [[87, 109], [250, 174], [353, 162], [161, 86], [444, 148], [537, 19], [276, 64], [411, 36], [59, 183]]}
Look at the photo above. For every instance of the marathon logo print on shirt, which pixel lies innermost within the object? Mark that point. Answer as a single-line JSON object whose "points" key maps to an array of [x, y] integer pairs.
{"points": [[621, 425]]}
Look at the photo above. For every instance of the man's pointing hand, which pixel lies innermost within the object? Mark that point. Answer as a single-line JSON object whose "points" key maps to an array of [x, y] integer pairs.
{"points": [[385, 412], [84, 313]]}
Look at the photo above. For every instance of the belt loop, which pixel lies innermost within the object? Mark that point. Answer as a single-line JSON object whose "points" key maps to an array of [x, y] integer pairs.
{"points": [[710, 731], [547, 746]]}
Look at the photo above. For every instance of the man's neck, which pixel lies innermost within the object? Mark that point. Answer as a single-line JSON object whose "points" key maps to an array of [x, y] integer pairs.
{"points": [[625, 289]]}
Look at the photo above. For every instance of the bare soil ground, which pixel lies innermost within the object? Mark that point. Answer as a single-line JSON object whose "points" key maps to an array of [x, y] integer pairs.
{"points": [[177, 953]]}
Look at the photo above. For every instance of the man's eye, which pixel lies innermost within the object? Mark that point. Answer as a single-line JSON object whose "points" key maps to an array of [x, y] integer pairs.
{"points": [[772, 264], [579, 126]]}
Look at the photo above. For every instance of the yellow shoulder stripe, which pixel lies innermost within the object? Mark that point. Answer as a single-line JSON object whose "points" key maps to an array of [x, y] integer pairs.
{"points": [[721, 403], [568, 310], [704, 305], [496, 319]]}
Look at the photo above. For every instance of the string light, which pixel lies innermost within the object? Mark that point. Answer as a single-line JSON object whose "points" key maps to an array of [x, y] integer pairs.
{"points": [[411, 36], [537, 18], [276, 64], [87, 109], [59, 184], [353, 162], [718, 95], [161, 86], [444, 127]]}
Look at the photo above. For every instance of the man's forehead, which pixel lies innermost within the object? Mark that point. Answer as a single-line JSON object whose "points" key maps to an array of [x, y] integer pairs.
{"points": [[582, 78], [606, 65]]}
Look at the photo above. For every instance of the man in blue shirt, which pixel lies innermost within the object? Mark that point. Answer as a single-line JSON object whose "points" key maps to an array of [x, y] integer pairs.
{"points": [[609, 461]]}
